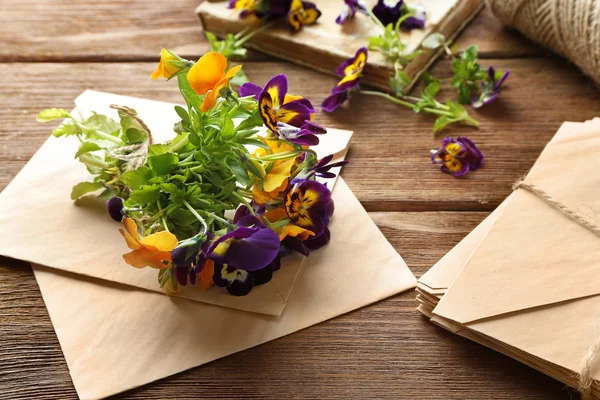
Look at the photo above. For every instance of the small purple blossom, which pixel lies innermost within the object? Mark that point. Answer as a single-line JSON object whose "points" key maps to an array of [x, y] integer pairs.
{"points": [[115, 208], [322, 168], [334, 101], [490, 88], [349, 10], [458, 156], [306, 135], [390, 11]]}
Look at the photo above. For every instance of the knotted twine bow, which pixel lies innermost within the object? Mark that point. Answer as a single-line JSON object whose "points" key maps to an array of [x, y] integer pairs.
{"points": [[569, 27], [585, 375]]}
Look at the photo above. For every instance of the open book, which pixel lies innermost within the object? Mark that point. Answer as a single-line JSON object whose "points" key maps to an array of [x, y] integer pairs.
{"points": [[325, 45]]}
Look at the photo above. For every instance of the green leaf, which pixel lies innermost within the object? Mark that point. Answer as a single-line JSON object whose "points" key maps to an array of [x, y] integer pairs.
{"points": [[138, 177], [240, 78], [163, 163], [432, 89], [428, 78], [254, 142], [67, 129], [470, 53], [183, 114], [103, 123], [85, 187], [145, 195], [433, 41], [158, 149], [87, 147], [135, 135], [239, 170], [228, 130], [51, 114], [107, 194], [464, 94]]}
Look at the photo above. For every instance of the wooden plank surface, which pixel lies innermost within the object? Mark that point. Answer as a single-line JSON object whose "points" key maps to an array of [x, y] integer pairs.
{"points": [[383, 351], [54, 49], [87, 30], [390, 150]]}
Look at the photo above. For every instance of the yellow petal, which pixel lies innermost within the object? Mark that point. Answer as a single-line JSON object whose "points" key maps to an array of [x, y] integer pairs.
{"points": [[209, 101], [232, 72], [161, 241], [290, 97], [206, 275], [277, 175], [131, 242], [207, 72], [275, 215], [143, 258], [131, 228], [158, 72]]}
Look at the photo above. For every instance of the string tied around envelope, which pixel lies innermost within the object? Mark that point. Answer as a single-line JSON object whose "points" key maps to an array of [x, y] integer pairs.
{"points": [[134, 155], [585, 375]]}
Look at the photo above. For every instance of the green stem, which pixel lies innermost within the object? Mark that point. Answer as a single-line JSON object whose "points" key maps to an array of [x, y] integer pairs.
{"points": [[92, 161], [198, 217], [374, 18], [181, 144], [389, 97], [100, 134], [222, 220], [245, 202], [249, 36], [279, 156], [406, 103]]}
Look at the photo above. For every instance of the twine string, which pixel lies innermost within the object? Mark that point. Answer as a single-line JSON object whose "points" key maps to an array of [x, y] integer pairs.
{"points": [[568, 27], [585, 379]]}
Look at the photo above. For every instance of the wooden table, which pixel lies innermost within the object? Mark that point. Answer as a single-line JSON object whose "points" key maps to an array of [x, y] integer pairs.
{"points": [[54, 49]]}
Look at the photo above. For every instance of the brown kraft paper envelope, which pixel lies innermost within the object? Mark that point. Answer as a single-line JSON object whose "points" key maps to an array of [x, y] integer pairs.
{"points": [[116, 336], [530, 289]]}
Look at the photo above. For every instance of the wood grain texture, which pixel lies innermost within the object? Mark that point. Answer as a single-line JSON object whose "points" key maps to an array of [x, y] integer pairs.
{"points": [[390, 169], [86, 30], [383, 351]]}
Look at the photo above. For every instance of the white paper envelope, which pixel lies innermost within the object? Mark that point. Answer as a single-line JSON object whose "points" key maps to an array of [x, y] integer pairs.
{"points": [[117, 330], [37, 204]]}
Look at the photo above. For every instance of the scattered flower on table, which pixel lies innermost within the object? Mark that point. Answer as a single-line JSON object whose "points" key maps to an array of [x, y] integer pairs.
{"points": [[351, 71], [174, 198], [391, 11], [302, 13], [349, 10], [490, 89], [457, 156]]}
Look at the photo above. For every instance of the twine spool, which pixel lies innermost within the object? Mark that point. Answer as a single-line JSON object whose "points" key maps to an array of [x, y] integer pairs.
{"points": [[569, 27]]}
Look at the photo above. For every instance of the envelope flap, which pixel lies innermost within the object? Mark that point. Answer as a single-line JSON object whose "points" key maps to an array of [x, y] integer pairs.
{"points": [[40, 223], [534, 255]]}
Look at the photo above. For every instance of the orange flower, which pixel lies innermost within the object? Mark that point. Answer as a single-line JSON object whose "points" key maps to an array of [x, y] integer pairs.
{"points": [[206, 275], [149, 251], [288, 230], [165, 68], [276, 181], [208, 77]]}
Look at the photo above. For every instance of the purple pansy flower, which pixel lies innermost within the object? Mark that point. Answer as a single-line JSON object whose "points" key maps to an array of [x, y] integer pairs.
{"points": [[239, 282], [490, 88], [275, 105], [350, 9], [250, 247], [306, 205], [306, 135], [334, 101], [250, 89], [302, 13], [188, 260], [458, 156], [271, 9], [322, 168], [390, 11], [351, 71], [115, 208]]}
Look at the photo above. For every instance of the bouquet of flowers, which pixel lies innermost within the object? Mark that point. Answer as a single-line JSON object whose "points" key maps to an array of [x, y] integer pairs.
{"points": [[223, 202]]}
